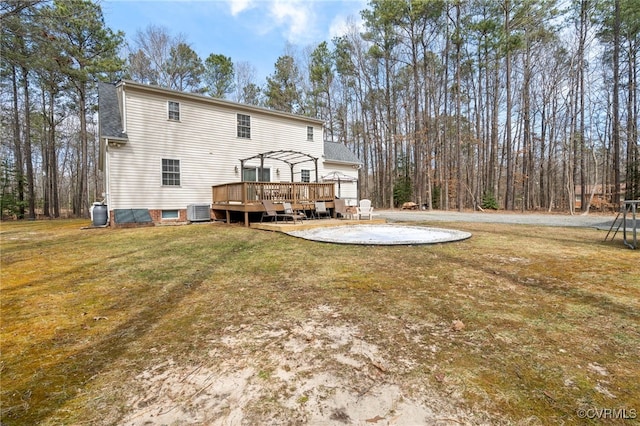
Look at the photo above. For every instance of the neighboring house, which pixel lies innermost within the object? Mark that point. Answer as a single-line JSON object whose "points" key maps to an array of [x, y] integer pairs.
{"points": [[163, 150]]}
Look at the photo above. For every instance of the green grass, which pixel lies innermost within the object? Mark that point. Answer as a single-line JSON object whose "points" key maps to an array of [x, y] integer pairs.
{"points": [[84, 311]]}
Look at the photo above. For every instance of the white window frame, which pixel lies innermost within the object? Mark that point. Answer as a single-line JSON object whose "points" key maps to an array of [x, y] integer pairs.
{"points": [[305, 175], [256, 170], [243, 126], [170, 173], [309, 133], [173, 111]]}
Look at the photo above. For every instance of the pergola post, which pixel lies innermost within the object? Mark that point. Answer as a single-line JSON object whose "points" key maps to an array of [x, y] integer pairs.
{"points": [[260, 173]]}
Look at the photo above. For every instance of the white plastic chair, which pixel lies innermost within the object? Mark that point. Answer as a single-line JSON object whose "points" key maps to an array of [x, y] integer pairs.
{"points": [[364, 209]]}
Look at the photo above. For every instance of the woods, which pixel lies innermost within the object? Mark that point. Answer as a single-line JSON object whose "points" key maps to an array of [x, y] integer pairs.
{"points": [[452, 104], [51, 55]]}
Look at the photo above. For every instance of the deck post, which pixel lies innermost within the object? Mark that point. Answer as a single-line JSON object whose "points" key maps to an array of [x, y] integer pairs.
{"points": [[294, 193], [244, 193]]}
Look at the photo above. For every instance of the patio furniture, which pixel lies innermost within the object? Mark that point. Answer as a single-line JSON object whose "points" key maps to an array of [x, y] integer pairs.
{"points": [[364, 209], [271, 212], [321, 210], [288, 210], [342, 209]]}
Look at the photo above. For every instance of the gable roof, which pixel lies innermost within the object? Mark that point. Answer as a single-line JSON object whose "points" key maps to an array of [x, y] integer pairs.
{"points": [[110, 119], [336, 152]]}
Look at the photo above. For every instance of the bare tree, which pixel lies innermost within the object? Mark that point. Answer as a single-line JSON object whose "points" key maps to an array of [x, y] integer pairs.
{"points": [[246, 89], [150, 54]]}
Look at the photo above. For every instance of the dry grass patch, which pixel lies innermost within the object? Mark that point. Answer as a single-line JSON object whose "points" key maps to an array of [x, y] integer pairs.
{"points": [[222, 324]]}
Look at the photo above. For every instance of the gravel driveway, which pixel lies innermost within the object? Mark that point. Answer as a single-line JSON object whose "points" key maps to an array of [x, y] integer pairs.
{"points": [[599, 221]]}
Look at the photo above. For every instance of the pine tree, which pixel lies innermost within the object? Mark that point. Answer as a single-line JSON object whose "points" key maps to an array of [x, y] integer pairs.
{"points": [[88, 50]]}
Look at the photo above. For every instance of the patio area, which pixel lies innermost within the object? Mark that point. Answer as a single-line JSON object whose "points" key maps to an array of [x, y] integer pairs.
{"points": [[300, 225]]}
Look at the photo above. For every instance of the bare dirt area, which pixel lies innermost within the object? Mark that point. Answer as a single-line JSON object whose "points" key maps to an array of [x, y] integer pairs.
{"points": [[323, 371]]}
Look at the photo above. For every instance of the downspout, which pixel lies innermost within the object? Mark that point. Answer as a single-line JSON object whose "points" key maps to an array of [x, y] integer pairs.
{"points": [[107, 180], [124, 110]]}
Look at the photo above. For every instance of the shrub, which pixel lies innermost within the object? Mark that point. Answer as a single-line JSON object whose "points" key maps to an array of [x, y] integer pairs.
{"points": [[489, 201]]}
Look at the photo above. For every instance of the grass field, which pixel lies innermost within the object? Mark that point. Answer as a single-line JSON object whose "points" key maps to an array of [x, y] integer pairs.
{"points": [[218, 324]]}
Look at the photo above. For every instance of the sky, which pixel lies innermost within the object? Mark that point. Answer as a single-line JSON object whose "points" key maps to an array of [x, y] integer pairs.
{"points": [[254, 31]]}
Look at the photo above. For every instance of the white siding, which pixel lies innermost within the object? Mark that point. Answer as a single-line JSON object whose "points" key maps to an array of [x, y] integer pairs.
{"points": [[345, 190], [205, 142]]}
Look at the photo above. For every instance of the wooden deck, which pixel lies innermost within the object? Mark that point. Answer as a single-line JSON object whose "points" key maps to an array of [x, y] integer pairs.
{"points": [[245, 198]]}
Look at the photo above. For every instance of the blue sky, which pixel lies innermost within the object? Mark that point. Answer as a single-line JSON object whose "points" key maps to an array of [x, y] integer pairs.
{"points": [[254, 31]]}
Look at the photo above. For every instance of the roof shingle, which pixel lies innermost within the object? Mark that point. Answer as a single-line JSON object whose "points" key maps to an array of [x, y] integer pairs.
{"points": [[335, 151], [109, 115]]}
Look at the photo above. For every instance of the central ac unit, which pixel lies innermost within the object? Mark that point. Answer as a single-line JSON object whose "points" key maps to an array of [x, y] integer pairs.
{"points": [[198, 212]]}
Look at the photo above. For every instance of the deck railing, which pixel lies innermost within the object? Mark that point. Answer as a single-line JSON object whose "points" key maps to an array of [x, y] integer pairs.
{"points": [[255, 192]]}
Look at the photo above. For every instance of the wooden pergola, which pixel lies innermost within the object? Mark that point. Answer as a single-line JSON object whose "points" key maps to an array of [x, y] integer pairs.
{"points": [[292, 158]]}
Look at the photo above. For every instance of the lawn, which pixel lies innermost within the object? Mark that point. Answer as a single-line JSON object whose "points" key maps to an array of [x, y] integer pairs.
{"points": [[219, 324]]}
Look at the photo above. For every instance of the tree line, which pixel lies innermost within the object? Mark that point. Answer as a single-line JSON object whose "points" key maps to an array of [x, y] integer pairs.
{"points": [[452, 104]]}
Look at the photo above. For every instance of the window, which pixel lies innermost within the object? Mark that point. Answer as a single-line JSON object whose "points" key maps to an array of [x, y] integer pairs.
{"points": [[170, 214], [250, 174], [305, 175], [244, 126], [174, 111], [309, 133], [170, 172]]}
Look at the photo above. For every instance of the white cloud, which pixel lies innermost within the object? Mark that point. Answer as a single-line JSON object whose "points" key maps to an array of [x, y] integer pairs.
{"points": [[239, 6], [294, 17], [299, 22], [341, 25]]}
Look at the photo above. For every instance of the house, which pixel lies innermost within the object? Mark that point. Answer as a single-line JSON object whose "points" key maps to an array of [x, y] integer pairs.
{"points": [[163, 150]]}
